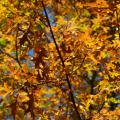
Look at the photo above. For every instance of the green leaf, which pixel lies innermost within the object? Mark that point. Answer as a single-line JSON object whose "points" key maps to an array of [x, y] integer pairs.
{"points": [[3, 42], [2, 22], [114, 100], [86, 13], [95, 26]]}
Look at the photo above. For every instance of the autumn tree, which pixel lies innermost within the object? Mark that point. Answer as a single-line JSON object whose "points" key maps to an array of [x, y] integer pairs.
{"points": [[60, 59]]}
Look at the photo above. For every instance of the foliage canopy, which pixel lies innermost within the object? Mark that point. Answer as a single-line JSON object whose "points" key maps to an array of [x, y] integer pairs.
{"points": [[60, 58]]}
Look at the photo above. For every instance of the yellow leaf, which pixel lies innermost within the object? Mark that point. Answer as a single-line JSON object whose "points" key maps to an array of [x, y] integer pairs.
{"points": [[23, 97], [67, 63], [57, 113], [93, 58]]}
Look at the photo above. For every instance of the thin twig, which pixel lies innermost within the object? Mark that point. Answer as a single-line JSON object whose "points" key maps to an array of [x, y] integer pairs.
{"points": [[118, 23], [16, 47], [101, 107], [83, 60], [3, 52], [10, 56], [59, 53]]}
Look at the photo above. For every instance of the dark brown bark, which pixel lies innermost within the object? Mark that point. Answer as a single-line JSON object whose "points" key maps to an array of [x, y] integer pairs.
{"points": [[67, 77]]}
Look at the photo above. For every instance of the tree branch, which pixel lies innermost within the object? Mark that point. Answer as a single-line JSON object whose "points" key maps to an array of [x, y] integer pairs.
{"points": [[16, 47], [10, 56], [100, 108], [63, 65], [117, 21]]}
